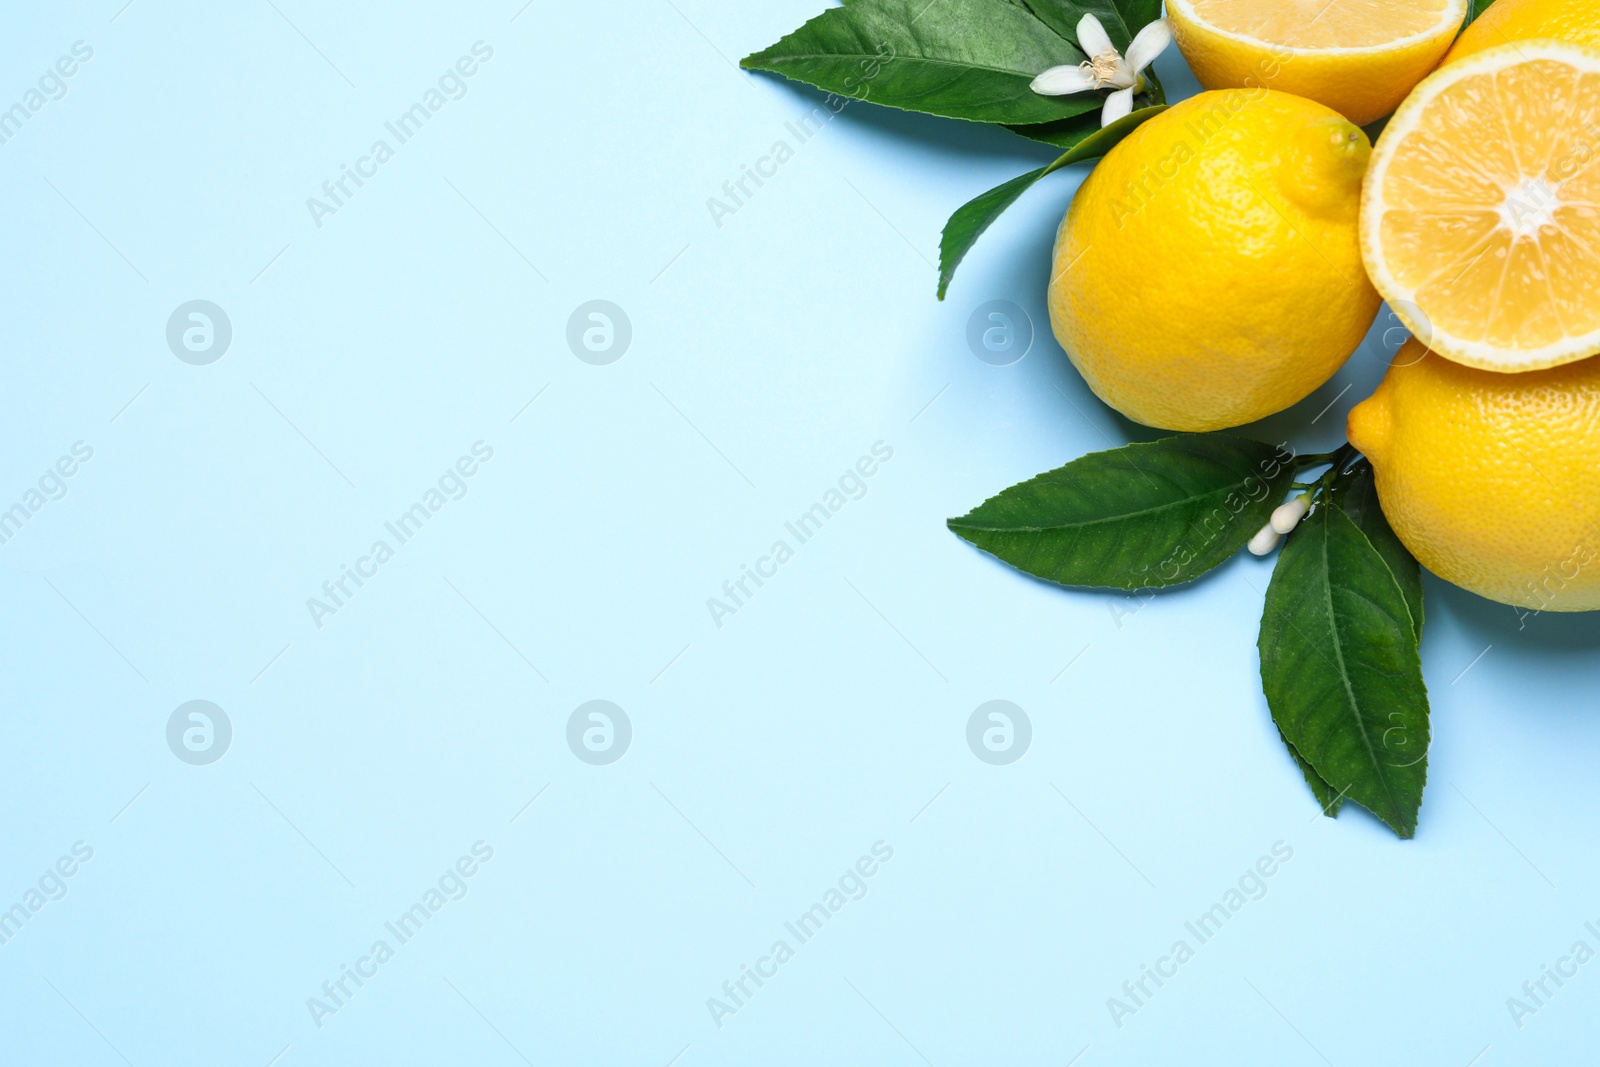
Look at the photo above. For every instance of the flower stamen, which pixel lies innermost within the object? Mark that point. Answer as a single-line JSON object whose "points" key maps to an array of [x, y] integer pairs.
{"points": [[1106, 68], [1103, 68]]}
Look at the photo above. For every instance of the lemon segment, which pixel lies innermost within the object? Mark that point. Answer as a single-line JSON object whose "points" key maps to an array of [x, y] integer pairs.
{"points": [[1359, 57], [1481, 211]]}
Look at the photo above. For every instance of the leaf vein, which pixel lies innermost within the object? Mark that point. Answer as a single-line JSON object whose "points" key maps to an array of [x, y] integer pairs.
{"points": [[1352, 702]]}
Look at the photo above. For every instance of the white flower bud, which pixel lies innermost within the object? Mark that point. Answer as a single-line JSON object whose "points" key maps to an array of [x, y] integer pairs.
{"points": [[1287, 516], [1265, 540]]}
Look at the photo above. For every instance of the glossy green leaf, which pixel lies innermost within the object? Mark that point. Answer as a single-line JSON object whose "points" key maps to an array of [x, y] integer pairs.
{"points": [[1122, 19], [1143, 516], [1330, 799], [1356, 493], [1341, 671], [1139, 13], [1063, 133], [973, 217], [1063, 16], [1067, 133], [965, 59]]}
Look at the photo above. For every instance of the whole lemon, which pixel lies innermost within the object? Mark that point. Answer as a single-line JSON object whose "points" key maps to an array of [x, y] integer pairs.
{"points": [[1209, 273], [1573, 21], [1360, 57], [1492, 480]]}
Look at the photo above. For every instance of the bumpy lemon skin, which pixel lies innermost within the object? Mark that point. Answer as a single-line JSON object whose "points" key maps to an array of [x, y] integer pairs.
{"points": [[1363, 85], [1573, 21], [1209, 273], [1491, 480]]}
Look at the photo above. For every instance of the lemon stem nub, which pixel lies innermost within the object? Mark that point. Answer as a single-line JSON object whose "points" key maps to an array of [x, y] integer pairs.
{"points": [[1265, 540], [1288, 515]]}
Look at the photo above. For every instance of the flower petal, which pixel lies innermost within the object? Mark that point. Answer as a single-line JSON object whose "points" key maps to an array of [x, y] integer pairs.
{"points": [[1093, 37], [1118, 104], [1149, 43], [1059, 81]]}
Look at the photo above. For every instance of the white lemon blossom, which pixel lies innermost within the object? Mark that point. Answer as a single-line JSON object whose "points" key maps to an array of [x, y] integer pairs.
{"points": [[1106, 67]]}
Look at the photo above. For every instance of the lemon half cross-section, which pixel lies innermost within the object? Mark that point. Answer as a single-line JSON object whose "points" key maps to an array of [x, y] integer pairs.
{"points": [[1359, 57], [1480, 216]]}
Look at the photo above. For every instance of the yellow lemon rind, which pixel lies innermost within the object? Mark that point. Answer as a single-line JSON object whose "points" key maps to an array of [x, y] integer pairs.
{"points": [[1454, 14]]}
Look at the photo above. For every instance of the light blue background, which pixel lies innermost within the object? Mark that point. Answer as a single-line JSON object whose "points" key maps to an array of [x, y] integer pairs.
{"points": [[768, 754]]}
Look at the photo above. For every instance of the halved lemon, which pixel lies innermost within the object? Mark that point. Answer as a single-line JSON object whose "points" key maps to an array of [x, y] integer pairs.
{"points": [[1359, 57], [1480, 214]]}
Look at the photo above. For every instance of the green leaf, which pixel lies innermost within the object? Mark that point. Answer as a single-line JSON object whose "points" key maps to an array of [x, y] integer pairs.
{"points": [[1063, 133], [1140, 13], [1356, 493], [1327, 796], [973, 217], [1122, 19], [1144, 516], [964, 59], [1063, 16], [1341, 671], [1067, 133]]}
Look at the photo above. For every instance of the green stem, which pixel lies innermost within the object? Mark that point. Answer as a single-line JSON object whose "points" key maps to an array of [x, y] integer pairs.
{"points": [[1339, 458], [1343, 456], [1153, 88]]}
